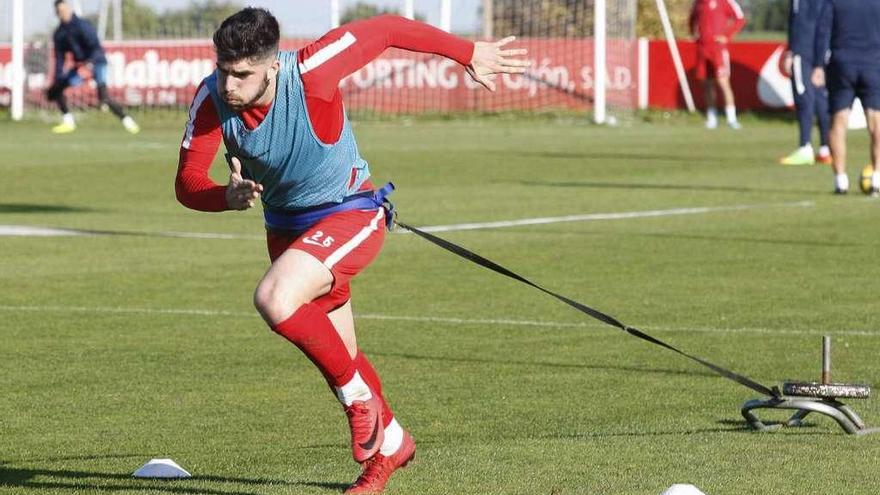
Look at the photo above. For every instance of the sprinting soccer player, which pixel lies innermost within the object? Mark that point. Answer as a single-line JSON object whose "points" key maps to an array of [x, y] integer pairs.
{"points": [[715, 23], [291, 145], [809, 101], [78, 37], [851, 30]]}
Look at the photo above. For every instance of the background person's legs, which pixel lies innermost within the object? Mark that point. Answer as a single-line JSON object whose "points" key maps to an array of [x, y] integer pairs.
{"points": [[823, 117], [841, 81], [873, 117], [100, 75], [805, 106], [837, 139], [711, 110], [56, 93], [729, 103]]}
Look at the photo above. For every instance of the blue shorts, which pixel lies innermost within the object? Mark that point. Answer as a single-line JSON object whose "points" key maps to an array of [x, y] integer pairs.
{"points": [[99, 74], [847, 80]]}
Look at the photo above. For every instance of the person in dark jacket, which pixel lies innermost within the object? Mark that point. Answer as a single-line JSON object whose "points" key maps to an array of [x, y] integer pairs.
{"points": [[79, 38], [810, 102], [848, 37]]}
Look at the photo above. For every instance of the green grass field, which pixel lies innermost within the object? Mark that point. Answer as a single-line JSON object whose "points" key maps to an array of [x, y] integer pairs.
{"points": [[119, 348]]}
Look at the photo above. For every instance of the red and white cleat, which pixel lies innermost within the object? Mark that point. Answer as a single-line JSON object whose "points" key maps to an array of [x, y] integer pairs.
{"points": [[365, 423], [379, 468]]}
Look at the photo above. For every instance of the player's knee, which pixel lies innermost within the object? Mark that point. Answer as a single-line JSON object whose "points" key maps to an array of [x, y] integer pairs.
{"points": [[275, 302]]}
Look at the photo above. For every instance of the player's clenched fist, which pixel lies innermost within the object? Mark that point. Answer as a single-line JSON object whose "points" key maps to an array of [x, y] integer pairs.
{"points": [[240, 193]]}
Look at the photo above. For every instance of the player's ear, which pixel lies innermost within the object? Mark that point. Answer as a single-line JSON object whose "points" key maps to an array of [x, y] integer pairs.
{"points": [[273, 69]]}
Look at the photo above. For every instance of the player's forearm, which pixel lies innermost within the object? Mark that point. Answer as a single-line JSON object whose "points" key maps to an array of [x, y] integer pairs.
{"points": [[422, 37], [735, 27], [195, 190], [95, 56], [821, 44], [346, 49], [199, 197]]}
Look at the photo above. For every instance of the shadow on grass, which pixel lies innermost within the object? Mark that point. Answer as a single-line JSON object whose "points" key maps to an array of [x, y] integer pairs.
{"points": [[726, 426], [97, 482], [38, 208], [664, 187], [451, 359]]}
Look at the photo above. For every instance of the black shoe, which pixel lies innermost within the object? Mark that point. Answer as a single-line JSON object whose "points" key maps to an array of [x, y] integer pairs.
{"points": [[838, 190]]}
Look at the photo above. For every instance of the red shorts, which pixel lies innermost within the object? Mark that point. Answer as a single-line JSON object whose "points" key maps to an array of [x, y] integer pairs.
{"points": [[344, 242], [713, 58]]}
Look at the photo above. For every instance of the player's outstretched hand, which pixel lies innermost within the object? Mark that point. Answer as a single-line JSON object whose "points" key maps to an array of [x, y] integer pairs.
{"points": [[240, 193], [490, 58]]}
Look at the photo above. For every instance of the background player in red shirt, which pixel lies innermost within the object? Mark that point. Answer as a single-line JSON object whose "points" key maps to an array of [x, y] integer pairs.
{"points": [[281, 113], [714, 23]]}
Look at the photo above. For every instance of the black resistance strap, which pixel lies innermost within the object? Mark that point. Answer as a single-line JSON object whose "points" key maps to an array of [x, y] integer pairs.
{"points": [[583, 308]]}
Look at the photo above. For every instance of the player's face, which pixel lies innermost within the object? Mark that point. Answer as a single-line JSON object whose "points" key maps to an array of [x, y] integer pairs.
{"points": [[244, 83], [64, 12]]}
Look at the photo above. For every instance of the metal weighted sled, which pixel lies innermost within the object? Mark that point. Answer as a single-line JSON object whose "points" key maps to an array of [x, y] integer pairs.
{"points": [[819, 397]]}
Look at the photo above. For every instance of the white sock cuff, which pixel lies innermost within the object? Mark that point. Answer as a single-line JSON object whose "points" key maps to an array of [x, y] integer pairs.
{"points": [[393, 438], [841, 181], [356, 389], [875, 179], [730, 112]]}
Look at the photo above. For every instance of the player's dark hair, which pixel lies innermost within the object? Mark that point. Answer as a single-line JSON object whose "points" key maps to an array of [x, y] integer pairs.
{"points": [[58, 2], [250, 33]]}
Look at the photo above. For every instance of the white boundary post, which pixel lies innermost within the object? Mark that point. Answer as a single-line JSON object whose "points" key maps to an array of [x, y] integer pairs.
{"points": [[17, 104], [644, 77], [334, 14], [117, 20], [488, 19], [599, 69], [409, 9], [676, 57], [102, 19], [446, 15]]}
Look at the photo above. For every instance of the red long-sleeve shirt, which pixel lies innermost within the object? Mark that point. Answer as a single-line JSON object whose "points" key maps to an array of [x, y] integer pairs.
{"points": [[327, 65], [711, 18]]}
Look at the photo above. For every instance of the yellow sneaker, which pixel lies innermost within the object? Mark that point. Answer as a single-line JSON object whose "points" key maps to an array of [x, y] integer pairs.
{"points": [[130, 125], [800, 156], [64, 128]]}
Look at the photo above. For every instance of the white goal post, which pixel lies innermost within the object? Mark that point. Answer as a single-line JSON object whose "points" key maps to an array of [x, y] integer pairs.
{"points": [[17, 82]]}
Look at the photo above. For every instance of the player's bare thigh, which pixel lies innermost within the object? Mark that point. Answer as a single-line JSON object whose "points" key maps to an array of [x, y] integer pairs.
{"points": [[295, 278]]}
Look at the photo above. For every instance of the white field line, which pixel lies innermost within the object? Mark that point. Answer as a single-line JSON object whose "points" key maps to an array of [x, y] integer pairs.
{"points": [[610, 216], [435, 319], [30, 231], [25, 230]]}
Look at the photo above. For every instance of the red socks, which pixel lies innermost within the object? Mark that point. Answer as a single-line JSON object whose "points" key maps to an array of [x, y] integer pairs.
{"points": [[368, 373], [314, 334]]}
